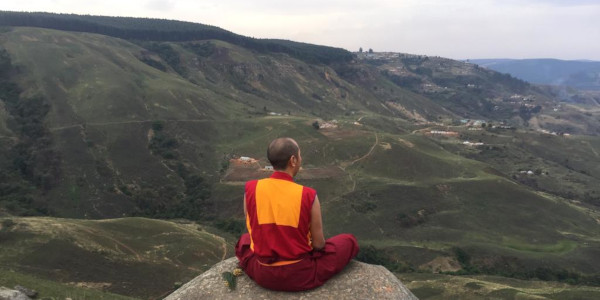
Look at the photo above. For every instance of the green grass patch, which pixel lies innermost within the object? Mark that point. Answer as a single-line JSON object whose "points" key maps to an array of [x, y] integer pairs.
{"points": [[427, 292], [437, 286], [560, 247], [48, 289], [120, 256]]}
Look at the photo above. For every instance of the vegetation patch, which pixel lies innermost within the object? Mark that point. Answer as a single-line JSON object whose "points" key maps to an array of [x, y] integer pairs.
{"points": [[110, 255], [33, 157], [51, 289], [562, 246], [371, 255], [427, 292]]}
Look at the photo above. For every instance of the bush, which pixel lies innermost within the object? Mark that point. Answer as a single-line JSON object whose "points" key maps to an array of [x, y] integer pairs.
{"points": [[7, 223], [231, 225], [462, 257], [371, 255], [158, 125], [205, 49]]}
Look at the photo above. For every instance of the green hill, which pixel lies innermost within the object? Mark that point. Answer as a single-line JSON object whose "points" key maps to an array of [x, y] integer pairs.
{"points": [[137, 257], [168, 30]]}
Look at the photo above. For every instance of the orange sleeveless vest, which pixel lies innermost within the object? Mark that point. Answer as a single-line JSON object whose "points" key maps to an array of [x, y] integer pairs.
{"points": [[278, 218]]}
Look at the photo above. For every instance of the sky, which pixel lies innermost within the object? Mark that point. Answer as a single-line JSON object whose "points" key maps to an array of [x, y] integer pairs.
{"points": [[458, 29]]}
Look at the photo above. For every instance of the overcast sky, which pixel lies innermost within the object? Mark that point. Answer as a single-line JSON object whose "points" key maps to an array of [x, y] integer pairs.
{"points": [[459, 29]]}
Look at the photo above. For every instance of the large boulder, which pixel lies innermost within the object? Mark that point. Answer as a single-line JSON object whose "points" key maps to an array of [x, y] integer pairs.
{"points": [[357, 281]]}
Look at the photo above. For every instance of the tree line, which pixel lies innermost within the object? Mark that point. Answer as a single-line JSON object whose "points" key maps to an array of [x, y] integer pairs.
{"points": [[31, 163], [145, 29]]}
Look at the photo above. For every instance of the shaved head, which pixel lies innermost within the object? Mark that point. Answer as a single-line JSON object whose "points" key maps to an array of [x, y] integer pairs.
{"points": [[280, 151]]}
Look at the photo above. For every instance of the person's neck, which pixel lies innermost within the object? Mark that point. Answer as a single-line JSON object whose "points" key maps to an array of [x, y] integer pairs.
{"points": [[288, 171]]}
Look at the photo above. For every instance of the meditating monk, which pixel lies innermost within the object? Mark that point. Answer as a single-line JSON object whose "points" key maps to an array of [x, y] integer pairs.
{"points": [[284, 248]]}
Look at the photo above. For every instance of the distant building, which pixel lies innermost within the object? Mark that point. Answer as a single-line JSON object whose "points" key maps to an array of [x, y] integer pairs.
{"points": [[441, 132], [467, 143], [478, 123]]}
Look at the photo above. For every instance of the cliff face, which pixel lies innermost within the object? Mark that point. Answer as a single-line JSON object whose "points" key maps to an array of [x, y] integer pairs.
{"points": [[357, 281]]}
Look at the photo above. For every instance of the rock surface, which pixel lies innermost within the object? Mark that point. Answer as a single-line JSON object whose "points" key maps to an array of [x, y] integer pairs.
{"points": [[357, 281], [28, 292], [8, 294]]}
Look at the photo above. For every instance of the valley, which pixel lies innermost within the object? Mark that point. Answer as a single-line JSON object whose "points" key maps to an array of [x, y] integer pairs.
{"points": [[123, 162]]}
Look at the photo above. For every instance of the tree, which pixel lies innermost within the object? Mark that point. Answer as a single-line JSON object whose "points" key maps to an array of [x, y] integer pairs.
{"points": [[316, 125], [360, 50], [370, 50]]}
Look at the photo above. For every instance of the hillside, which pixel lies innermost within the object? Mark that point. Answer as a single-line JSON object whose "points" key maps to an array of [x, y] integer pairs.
{"points": [[145, 29], [138, 257], [583, 75], [435, 165]]}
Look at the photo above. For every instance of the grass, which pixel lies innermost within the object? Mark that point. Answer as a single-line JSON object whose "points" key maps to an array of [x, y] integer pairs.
{"points": [[562, 246], [567, 165], [50, 289], [4, 131], [436, 286], [126, 254]]}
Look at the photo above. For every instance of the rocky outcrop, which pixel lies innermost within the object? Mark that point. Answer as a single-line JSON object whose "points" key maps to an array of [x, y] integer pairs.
{"points": [[357, 281], [8, 294], [28, 292]]}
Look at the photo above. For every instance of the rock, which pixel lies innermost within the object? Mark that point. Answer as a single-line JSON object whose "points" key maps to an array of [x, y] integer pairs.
{"points": [[357, 281], [8, 294], [29, 292]]}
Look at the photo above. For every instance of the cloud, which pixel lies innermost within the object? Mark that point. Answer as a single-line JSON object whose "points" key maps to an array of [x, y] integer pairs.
{"points": [[450, 28], [559, 3], [160, 5]]}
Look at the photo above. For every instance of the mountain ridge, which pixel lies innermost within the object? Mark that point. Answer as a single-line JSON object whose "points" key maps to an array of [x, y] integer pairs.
{"points": [[579, 74], [168, 30]]}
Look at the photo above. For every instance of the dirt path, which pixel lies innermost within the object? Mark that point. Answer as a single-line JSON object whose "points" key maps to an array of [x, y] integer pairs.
{"points": [[364, 156], [592, 147], [343, 166], [379, 227], [353, 183], [418, 130]]}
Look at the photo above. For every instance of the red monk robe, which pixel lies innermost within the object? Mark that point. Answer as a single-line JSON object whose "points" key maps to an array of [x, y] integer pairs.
{"points": [[277, 253]]}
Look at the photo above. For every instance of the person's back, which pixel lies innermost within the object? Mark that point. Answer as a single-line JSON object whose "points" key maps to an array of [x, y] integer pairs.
{"points": [[285, 248]]}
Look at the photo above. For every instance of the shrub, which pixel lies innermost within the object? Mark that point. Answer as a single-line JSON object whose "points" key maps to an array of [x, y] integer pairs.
{"points": [[231, 225], [7, 223]]}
